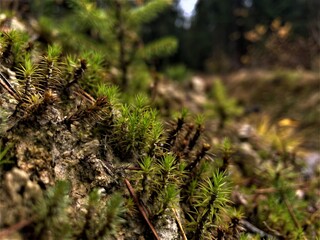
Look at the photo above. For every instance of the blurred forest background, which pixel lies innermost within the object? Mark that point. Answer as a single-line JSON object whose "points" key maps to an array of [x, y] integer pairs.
{"points": [[220, 36], [226, 35]]}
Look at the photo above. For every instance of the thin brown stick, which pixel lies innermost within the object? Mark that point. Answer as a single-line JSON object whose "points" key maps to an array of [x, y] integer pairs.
{"points": [[273, 190], [14, 228], [133, 168], [275, 232], [292, 215], [84, 95], [251, 228], [7, 85], [265, 190], [179, 224], [141, 210]]}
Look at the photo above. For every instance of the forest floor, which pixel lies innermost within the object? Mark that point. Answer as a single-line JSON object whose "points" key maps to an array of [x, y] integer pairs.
{"points": [[280, 94]]}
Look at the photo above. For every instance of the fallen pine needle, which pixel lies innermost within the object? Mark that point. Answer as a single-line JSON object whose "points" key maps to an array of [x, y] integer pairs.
{"points": [[179, 224], [142, 211]]}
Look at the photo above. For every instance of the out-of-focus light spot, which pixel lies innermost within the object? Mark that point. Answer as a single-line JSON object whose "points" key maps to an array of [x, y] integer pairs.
{"points": [[247, 3], [188, 7]]}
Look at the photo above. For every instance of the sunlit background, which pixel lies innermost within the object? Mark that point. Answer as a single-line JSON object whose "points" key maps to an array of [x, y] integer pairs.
{"points": [[188, 7]]}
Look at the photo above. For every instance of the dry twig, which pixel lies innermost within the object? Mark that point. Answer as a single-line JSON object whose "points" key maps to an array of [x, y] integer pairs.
{"points": [[141, 209], [7, 85], [179, 224], [14, 228], [251, 228]]}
